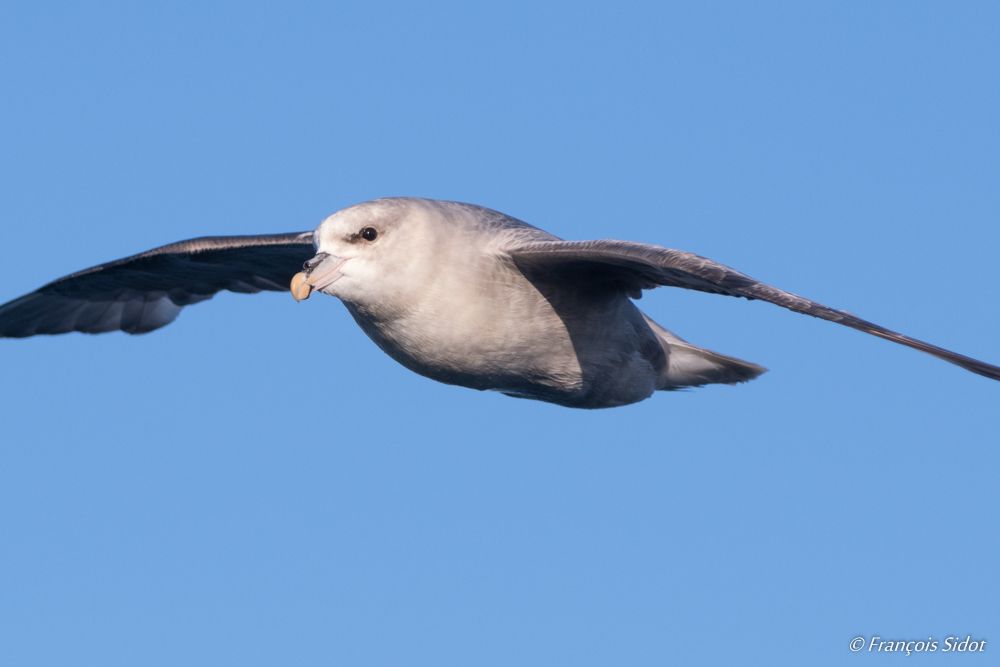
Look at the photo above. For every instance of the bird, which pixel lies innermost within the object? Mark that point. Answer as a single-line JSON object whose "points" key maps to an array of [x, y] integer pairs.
{"points": [[455, 292]]}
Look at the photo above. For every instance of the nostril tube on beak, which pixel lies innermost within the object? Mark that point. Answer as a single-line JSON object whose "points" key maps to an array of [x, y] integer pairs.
{"points": [[310, 264]]}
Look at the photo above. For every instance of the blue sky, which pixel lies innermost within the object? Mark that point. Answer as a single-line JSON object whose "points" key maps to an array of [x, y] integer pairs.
{"points": [[259, 484]]}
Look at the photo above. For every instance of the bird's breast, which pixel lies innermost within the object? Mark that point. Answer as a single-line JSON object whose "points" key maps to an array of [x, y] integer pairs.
{"points": [[556, 343], [486, 334]]}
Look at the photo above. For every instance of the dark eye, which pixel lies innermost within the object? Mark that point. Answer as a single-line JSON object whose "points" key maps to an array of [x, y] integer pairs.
{"points": [[369, 233]]}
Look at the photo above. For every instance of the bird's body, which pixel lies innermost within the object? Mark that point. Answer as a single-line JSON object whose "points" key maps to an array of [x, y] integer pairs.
{"points": [[472, 318], [455, 292], [510, 338]]}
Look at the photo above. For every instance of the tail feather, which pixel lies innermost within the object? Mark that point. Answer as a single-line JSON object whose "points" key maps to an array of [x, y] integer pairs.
{"points": [[692, 366]]}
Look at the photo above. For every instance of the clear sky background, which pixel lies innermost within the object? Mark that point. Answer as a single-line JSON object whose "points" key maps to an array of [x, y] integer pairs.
{"points": [[257, 484]]}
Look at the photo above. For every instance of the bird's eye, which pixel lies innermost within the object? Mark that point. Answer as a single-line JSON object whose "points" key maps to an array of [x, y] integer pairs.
{"points": [[369, 233]]}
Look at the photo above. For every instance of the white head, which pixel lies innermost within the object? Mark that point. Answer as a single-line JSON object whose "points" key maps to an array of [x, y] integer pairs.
{"points": [[377, 255], [386, 256]]}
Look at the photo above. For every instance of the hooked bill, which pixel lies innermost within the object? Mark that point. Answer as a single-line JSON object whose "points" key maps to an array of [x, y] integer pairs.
{"points": [[301, 289]]}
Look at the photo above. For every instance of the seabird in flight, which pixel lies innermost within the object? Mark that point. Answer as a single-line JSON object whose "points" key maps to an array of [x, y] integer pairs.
{"points": [[458, 293]]}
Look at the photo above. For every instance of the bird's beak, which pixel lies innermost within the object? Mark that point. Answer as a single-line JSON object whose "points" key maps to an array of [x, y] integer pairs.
{"points": [[320, 271]]}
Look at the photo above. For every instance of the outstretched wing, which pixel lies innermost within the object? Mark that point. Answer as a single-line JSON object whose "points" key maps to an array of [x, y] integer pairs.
{"points": [[637, 266], [145, 292]]}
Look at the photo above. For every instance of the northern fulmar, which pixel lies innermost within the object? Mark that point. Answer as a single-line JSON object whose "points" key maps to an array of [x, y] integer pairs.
{"points": [[455, 292]]}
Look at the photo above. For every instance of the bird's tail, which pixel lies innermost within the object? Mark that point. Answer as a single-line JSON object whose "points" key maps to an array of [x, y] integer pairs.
{"points": [[692, 366]]}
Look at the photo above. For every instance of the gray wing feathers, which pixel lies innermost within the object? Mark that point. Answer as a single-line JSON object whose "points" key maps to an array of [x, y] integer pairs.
{"points": [[147, 291], [636, 266], [48, 313]]}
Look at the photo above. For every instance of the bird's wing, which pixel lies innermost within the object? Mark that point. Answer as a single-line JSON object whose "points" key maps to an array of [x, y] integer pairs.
{"points": [[145, 292], [633, 266]]}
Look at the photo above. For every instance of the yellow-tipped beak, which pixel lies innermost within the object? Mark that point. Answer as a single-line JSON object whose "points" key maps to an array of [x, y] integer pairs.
{"points": [[320, 271], [301, 289]]}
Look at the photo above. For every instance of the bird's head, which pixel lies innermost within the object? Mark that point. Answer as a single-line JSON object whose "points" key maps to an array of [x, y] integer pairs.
{"points": [[375, 255]]}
